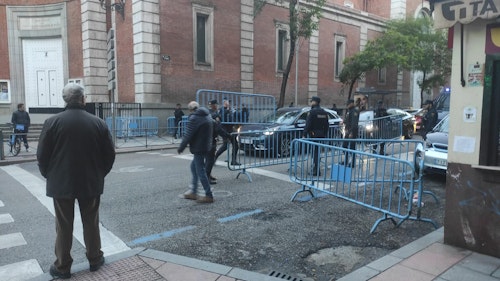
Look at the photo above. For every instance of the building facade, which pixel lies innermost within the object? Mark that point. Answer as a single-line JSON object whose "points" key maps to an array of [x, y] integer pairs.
{"points": [[160, 52], [472, 214]]}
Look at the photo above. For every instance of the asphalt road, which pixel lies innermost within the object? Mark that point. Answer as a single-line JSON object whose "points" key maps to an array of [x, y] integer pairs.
{"points": [[251, 225]]}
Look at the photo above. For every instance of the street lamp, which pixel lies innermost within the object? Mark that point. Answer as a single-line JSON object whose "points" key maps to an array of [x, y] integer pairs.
{"points": [[118, 6]]}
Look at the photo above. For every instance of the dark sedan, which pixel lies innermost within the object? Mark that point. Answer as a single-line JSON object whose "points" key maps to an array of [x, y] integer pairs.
{"points": [[276, 132]]}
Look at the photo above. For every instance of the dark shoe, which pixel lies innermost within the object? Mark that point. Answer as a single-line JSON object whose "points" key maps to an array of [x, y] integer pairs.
{"points": [[213, 181], [190, 195], [212, 177], [96, 267], [234, 163], [204, 199], [57, 274]]}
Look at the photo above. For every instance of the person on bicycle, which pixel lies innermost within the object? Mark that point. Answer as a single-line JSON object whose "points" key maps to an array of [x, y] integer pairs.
{"points": [[21, 122]]}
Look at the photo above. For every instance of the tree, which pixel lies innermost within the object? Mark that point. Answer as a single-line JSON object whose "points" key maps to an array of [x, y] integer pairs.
{"points": [[304, 20], [409, 44]]}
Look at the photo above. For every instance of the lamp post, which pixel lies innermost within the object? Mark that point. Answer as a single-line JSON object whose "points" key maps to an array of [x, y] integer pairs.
{"points": [[118, 6]]}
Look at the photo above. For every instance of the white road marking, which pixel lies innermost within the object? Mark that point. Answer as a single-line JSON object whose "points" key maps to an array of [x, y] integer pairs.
{"points": [[24, 270], [1, 203], [259, 171], [6, 218], [12, 240], [111, 244]]}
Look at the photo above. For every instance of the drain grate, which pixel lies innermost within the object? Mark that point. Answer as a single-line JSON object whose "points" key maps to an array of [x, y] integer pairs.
{"points": [[283, 276]]}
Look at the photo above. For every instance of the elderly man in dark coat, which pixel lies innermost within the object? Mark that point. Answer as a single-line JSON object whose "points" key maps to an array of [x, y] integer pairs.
{"points": [[75, 153]]}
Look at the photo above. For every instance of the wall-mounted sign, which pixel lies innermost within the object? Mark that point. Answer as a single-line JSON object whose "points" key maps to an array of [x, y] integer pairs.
{"points": [[470, 114], [4, 91], [449, 12], [475, 75]]}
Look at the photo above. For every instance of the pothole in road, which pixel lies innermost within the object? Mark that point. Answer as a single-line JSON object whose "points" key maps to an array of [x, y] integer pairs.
{"points": [[344, 256]]}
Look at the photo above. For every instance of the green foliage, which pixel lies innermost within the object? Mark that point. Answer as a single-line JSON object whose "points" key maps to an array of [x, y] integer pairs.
{"points": [[409, 44]]}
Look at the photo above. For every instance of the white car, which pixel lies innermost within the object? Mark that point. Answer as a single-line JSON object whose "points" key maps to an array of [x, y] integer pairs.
{"points": [[435, 152]]}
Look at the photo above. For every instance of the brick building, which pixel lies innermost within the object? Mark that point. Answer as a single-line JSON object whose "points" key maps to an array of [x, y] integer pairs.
{"points": [[159, 52]]}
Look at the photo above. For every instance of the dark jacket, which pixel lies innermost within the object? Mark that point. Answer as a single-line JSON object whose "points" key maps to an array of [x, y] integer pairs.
{"points": [[75, 152], [430, 119], [178, 113], [199, 132], [21, 117], [351, 123], [316, 123]]}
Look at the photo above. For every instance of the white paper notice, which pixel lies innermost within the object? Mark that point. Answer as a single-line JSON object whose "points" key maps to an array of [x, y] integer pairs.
{"points": [[464, 144]]}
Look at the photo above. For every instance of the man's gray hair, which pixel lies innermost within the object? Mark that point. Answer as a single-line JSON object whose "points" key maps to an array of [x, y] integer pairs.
{"points": [[193, 105], [72, 93]]}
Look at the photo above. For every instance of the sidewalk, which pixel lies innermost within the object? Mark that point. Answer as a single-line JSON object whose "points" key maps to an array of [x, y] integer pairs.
{"points": [[427, 258]]}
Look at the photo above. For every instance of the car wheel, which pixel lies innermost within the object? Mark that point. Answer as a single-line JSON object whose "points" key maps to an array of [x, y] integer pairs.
{"points": [[284, 147]]}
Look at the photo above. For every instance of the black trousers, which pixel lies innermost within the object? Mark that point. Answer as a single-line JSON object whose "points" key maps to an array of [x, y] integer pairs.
{"points": [[65, 213]]}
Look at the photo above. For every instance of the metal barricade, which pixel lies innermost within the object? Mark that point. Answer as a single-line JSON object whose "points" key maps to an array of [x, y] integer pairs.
{"points": [[181, 127], [261, 148], [387, 184], [245, 107], [127, 127], [378, 130]]}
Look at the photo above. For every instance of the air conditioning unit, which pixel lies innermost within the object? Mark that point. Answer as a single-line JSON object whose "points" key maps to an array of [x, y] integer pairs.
{"points": [[349, 4]]}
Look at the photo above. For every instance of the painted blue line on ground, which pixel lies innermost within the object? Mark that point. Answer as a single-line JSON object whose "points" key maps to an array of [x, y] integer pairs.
{"points": [[240, 215], [165, 234]]}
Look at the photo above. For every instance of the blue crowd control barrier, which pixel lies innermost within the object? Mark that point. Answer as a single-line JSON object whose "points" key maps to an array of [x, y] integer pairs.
{"points": [[244, 107], [384, 183], [127, 127]]}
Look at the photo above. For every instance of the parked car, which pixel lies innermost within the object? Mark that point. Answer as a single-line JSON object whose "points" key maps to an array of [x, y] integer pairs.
{"points": [[276, 131], [408, 121], [435, 152]]}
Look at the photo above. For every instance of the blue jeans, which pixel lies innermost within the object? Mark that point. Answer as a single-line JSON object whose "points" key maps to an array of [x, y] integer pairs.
{"points": [[198, 171]]}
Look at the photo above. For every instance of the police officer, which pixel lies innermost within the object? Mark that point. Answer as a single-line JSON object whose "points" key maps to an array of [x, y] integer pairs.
{"points": [[430, 118], [351, 121], [316, 127]]}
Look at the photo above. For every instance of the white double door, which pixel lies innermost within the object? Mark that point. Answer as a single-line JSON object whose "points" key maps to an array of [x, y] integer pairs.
{"points": [[43, 72]]}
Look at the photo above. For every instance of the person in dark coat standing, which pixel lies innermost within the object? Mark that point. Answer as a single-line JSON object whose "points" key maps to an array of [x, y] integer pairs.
{"points": [[217, 131], [199, 133], [430, 118], [21, 122], [351, 121], [316, 127], [178, 113], [75, 152], [227, 116], [381, 121]]}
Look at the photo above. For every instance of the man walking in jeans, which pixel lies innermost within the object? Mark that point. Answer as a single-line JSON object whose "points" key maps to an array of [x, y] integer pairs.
{"points": [[199, 135], [75, 153]]}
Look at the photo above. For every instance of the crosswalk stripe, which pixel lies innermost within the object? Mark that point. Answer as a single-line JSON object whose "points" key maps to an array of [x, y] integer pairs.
{"points": [[1, 203], [11, 240], [6, 218], [111, 244], [23, 270]]}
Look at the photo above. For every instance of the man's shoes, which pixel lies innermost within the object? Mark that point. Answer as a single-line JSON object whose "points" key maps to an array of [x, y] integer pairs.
{"points": [[57, 274], [234, 163], [212, 181], [212, 177], [27, 149], [96, 266], [190, 195], [205, 199]]}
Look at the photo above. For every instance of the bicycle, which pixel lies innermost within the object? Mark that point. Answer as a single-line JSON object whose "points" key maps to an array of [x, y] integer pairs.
{"points": [[15, 140]]}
